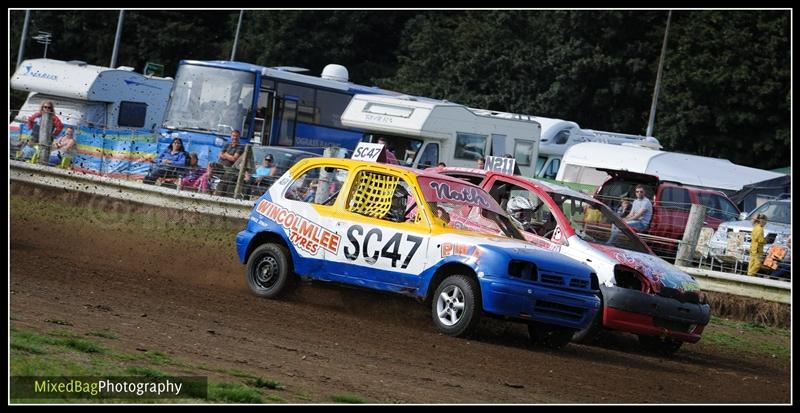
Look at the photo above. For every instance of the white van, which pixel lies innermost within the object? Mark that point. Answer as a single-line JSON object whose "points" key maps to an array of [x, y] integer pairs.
{"points": [[558, 135], [423, 132], [93, 96], [586, 163]]}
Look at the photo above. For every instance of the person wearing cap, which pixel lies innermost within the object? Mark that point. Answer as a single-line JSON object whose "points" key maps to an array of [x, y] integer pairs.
{"points": [[266, 170]]}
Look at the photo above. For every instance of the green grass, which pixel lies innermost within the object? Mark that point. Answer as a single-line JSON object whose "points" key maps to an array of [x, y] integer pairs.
{"points": [[83, 346], [748, 337], [233, 393], [103, 334], [347, 398], [275, 398], [265, 383], [145, 372]]}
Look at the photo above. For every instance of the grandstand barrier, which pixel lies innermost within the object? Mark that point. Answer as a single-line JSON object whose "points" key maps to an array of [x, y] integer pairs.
{"points": [[125, 190]]}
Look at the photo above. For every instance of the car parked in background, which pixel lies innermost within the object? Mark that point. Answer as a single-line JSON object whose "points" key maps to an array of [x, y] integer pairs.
{"points": [[776, 232], [640, 292], [400, 230], [671, 205]]}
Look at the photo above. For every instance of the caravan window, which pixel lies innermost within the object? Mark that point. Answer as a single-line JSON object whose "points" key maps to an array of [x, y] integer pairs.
{"points": [[404, 149], [470, 146], [132, 114], [430, 156], [522, 152]]}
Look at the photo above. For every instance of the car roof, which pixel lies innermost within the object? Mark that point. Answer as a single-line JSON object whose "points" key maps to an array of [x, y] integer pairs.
{"points": [[547, 186], [429, 173], [286, 150]]}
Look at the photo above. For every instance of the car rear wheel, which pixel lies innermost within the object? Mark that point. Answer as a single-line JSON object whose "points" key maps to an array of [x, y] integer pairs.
{"points": [[456, 306], [549, 335], [665, 346], [269, 272]]}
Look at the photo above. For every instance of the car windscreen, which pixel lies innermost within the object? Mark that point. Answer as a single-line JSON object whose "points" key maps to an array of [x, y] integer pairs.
{"points": [[778, 212], [594, 222]]}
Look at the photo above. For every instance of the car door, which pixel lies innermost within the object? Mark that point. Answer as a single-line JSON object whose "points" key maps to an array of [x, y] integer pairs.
{"points": [[381, 246]]}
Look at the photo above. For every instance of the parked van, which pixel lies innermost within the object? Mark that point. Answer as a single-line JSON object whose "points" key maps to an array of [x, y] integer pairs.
{"points": [[423, 132], [88, 95], [588, 163], [558, 135]]}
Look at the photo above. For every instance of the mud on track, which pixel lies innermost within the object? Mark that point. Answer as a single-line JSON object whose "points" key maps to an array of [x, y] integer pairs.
{"points": [[173, 291]]}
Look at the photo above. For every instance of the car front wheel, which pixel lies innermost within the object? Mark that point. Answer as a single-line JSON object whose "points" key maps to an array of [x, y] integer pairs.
{"points": [[456, 306], [269, 272], [665, 346]]}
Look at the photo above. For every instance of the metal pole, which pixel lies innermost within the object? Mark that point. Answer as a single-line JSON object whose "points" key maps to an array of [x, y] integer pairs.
{"points": [[22, 39], [116, 39], [236, 39], [45, 135], [688, 245], [658, 80]]}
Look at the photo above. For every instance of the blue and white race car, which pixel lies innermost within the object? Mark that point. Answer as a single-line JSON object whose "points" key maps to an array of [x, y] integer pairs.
{"points": [[416, 233]]}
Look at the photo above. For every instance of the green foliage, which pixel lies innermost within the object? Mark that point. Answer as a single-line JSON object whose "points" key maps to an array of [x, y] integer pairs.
{"points": [[233, 393], [726, 81], [347, 398]]}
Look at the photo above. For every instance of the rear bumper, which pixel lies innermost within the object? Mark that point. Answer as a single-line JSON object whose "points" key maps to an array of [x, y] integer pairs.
{"points": [[640, 313]]}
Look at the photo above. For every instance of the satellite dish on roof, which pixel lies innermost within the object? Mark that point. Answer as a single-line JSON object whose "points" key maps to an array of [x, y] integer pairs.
{"points": [[335, 72]]}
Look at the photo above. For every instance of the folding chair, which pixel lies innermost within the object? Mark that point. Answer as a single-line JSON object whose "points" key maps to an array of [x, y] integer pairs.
{"points": [[701, 249]]}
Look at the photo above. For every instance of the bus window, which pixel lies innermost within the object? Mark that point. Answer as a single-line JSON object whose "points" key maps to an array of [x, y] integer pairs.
{"points": [[288, 114], [330, 106], [263, 119]]}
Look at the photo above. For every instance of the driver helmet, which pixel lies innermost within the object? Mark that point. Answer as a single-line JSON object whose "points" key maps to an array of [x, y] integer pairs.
{"points": [[397, 211], [520, 208]]}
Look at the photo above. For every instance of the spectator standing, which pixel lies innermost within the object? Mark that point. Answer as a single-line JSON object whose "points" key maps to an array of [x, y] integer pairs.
{"points": [[757, 244], [390, 157], [168, 163], [34, 121], [481, 163], [229, 155]]}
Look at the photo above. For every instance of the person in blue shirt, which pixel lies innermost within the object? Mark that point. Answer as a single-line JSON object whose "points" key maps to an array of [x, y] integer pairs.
{"points": [[169, 163], [639, 216], [266, 170]]}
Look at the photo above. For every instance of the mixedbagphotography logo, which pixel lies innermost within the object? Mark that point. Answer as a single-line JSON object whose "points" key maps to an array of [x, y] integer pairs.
{"points": [[93, 387]]}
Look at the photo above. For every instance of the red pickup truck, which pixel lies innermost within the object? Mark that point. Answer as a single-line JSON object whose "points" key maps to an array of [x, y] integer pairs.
{"points": [[671, 204]]}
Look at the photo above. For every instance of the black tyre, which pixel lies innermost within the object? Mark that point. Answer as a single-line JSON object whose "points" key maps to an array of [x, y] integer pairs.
{"points": [[593, 331], [549, 335], [269, 271], [664, 346], [456, 306]]}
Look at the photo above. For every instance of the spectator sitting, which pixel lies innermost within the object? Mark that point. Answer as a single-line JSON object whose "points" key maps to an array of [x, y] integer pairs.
{"points": [[28, 150], [266, 170], [624, 208], [194, 173], [63, 147], [639, 217], [168, 162], [35, 120]]}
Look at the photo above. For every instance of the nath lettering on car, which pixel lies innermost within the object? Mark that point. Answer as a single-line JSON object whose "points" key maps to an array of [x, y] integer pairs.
{"points": [[416, 233]]}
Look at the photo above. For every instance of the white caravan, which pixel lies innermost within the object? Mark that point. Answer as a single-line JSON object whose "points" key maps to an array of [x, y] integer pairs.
{"points": [[94, 96], [585, 163], [423, 132], [558, 135]]}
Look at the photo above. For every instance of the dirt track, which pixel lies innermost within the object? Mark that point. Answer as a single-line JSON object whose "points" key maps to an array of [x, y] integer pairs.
{"points": [[192, 303]]}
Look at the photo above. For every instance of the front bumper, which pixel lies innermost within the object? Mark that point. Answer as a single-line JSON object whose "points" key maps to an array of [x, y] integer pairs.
{"points": [[652, 315], [533, 302]]}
